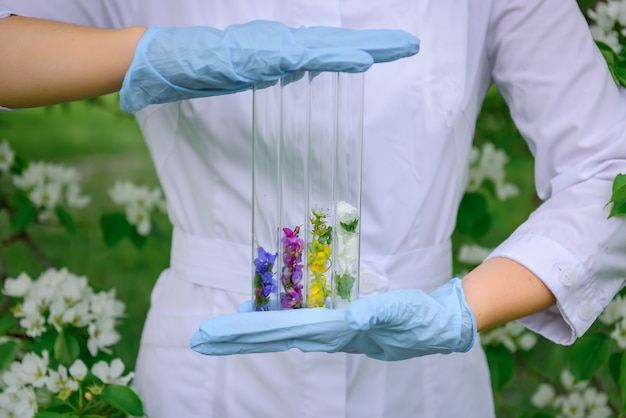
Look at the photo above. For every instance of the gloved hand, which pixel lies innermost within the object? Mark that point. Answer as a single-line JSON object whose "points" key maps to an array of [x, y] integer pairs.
{"points": [[391, 326], [173, 64]]}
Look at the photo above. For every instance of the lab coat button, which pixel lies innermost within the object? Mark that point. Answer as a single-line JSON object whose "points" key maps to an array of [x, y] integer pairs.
{"points": [[368, 281], [586, 311], [568, 277]]}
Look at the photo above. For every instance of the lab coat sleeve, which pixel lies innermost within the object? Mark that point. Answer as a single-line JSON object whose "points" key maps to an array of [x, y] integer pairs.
{"points": [[568, 108], [4, 12]]}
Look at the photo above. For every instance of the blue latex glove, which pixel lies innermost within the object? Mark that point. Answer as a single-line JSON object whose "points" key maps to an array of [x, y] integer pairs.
{"points": [[391, 326], [173, 64]]}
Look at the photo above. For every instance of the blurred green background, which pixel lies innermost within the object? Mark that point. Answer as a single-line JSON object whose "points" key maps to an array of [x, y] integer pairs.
{"points": [[105, 145]]}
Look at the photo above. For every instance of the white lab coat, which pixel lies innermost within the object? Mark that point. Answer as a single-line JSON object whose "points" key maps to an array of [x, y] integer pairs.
{"points": [[419, 122]]}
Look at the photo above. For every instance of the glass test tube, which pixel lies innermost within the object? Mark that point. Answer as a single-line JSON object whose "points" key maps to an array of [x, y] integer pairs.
{"points": [[307, 191]]}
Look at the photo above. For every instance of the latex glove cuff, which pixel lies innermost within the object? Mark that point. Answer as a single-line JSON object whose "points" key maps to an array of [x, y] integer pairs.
{"points": [[409, 323]]}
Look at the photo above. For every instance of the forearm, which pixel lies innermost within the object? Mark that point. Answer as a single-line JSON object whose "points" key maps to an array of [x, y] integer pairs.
{"points": [[501, 290], [45, 62]]}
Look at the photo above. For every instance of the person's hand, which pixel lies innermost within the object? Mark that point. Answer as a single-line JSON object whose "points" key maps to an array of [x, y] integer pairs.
{"points": [[391, 326], [173, 64]]}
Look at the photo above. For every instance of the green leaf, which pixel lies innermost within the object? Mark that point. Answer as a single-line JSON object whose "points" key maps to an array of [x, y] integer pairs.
{"points": [[344, 286], [615, 364], [66, 219], [7, 322], [622, 383], [327, 237], [611, 59], [8, 351], [607, 52], [124, 399], [59, 406], [25, 214], [589, 354], [48, 414], [619, 208], [619, 187], [19, 164], [473, 217], [45, 342], [66, 348], [619, 73], [138, 240], [114, 228], [586, 4], [618, 196], [350, 227], [501, 365]]}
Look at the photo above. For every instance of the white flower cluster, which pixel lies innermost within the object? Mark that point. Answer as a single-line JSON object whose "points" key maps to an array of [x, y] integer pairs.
{"points": [[581, 401], [512, 335], [488, 164], [30, 382], [138, 202], [57, 299], [347, 255], [50, 185], [6, 156], [609, 21], [615, 314], [473, 253]]}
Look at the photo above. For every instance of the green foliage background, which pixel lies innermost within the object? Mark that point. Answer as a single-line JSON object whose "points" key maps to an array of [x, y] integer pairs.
{"points": [[105, 145]]}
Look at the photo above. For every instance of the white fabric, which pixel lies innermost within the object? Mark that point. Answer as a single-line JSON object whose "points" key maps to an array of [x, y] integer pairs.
{"points": [[419, 121]]}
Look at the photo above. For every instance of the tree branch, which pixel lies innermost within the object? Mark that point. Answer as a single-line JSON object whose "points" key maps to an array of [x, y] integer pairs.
{"points": [[23, 236]]}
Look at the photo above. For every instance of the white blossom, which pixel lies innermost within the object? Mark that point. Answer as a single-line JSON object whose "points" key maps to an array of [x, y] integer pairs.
{"points": [[544, 396], [78, 370], [347, 249], [347, 253], [58, 298], [105, 305], [568, 381], [506, 191], [138, 202], [13, 378], [111, 373], [34, 369], [527, 341], [140, 218], [74, 197], [607, 17], [50, 185], [597, 403], [614, 312], [102, 335], [473, 253], [7, 156], [512, 335], [488, 164], [60, 380], [346, 213], [47, 195], [610, 37], [17, 287], [619, 334], [18, 404], [34, 325], [573, 406]]}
